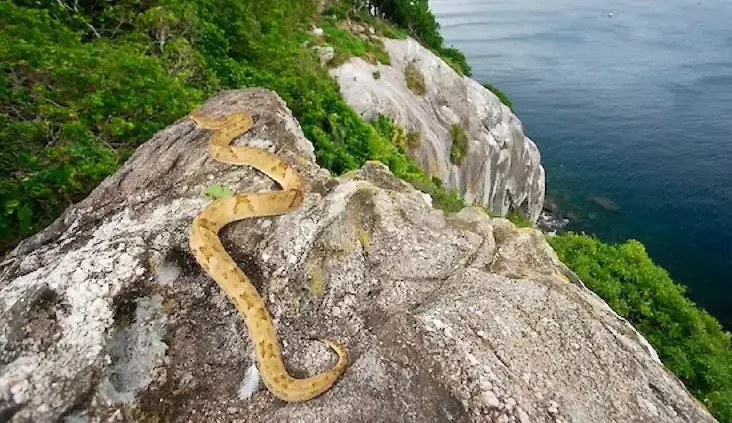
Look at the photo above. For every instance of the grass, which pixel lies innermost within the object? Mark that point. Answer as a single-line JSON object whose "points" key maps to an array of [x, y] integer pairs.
{"points": [[519, 219], [348, 45], [459, 147], [415, 79], [413, 140], [500, 94]]}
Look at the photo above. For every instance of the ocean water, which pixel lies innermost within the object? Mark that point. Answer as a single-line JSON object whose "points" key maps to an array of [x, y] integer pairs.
{"points": [[635, 108]]}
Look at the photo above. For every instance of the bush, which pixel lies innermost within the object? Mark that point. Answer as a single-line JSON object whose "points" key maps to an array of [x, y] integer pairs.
{"points": [[690, 342], [414, 16], [70, 111], [348, 45], [459, 147], [500, 94], [82, 87], [455, 59], [519, 219], [415, 79], [413, 140]]}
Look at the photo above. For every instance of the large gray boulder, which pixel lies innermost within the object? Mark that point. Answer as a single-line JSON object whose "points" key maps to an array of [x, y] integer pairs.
{"points": [[502, 169], [106, 317]]}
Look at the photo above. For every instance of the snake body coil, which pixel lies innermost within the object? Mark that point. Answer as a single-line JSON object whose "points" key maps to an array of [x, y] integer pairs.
{"points": [[211, 255]]}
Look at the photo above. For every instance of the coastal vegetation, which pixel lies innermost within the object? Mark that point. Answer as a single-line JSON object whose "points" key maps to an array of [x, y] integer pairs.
{"points": [[84, 83], [414, 16], [415, 79], [689, 341], [346, 44], [459, 147], [500, 94]]}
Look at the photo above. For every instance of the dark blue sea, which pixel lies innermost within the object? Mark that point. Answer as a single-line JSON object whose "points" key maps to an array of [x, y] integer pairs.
{"points": [[629, 101]]}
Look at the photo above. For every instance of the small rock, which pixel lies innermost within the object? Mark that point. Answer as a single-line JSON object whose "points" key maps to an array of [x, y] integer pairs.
{"points": [[523, 417], [326, 54], [553, 407], [490, 399]]}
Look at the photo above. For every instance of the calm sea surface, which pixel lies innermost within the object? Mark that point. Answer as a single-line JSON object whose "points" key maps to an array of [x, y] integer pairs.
{"points": [[635, 108]]}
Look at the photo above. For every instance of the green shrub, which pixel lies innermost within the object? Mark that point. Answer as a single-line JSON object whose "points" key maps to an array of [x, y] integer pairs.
{"points": [[500, 94], [455, 59], [459, 147], [70, 111], [415, 79], [398, 136], [376, 75], [348, 45], [383, 28], [416, 17], [387, 128], [81, 88], [690, 342], [519, 219], [413, 140]]}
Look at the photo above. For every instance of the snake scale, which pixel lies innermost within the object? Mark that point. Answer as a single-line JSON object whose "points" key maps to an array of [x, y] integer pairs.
{"points": [[211, 255]]}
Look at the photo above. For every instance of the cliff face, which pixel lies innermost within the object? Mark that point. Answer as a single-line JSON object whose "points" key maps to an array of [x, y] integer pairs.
{"points": [[502, 166], [106, 316]]}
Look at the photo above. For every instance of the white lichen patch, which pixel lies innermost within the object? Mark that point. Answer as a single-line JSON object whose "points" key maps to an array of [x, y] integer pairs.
{"points": [[167, 273], [86, 278], [14, 383], [250, 383], [136, 351]]}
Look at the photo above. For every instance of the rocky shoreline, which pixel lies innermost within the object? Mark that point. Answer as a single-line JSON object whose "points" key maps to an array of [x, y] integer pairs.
{"points": [[551, 219]]}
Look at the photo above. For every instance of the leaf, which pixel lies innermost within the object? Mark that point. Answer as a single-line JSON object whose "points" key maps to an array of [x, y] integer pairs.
{"points": [[218, 191]]}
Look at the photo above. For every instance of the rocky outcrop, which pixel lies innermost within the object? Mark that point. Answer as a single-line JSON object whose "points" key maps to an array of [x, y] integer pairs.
{"points": [[106, 317], [501, 169]]}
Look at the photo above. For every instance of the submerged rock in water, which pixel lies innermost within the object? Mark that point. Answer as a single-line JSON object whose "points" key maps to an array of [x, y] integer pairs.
{"points": [[106, 316], [605, 203]]}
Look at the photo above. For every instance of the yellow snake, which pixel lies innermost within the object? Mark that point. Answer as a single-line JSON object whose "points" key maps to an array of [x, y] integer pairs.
{"points": [[210, 254]]}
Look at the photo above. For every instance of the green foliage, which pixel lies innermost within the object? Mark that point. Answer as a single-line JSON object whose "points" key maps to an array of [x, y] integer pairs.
{"points": [[347, 45], [689, 341], [218, 191], [387, 129], [85, 83], [455, 59], [414, 16], [500, 94], [519, 219], [357, 11], [413, 140], [459, 147], [382, 27], [415, 79], [70, 111], [376, 75]]}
